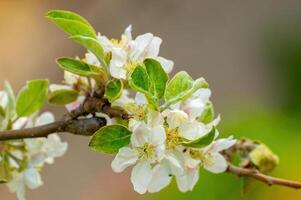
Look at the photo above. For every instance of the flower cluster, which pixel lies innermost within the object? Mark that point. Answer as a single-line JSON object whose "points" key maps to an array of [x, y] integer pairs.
{"points": [[22, 160]]}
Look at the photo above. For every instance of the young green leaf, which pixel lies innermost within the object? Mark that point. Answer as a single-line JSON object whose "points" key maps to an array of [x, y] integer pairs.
{"points": [[62, 97], [110, 139], [202, 141], [31, 97], [207, 114], [113, 90], [140, 82], [178, 85], [71, 23], [92, 45], [157, 76], [11, 107], [180, 88], [76, 67]]}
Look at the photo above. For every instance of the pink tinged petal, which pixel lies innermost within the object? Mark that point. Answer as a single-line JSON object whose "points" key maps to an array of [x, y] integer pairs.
{"points": [[222, 144], [140, 135], [160, 178], [141, 176], [32, 178], [217, 164], [187, 181], [157, 136], [124, 158], [166, 64], [153, 48], [75, 104]]}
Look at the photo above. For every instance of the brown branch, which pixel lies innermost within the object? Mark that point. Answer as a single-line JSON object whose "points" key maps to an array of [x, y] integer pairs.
{"points": [[84, 127], [269, 180]]}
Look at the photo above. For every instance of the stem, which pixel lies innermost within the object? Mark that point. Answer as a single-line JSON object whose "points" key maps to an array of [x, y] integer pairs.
{"points": [[269, 180], [84, 127]]}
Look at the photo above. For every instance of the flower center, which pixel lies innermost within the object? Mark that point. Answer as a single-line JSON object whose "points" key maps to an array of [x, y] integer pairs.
{"points": [[146, 151], [205, 158], [172, 138], [137, 111]]}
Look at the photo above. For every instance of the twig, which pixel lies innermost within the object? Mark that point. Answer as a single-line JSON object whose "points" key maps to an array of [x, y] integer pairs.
{"points": [[269, 180], [84, 127]]}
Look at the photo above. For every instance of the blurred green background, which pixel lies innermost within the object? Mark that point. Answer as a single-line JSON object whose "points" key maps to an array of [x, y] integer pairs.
{"points": [[249, 51]]}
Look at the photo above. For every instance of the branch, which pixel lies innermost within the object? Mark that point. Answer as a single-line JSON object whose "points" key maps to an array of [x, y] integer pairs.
{"points": [[84, 127], [269, 180]]}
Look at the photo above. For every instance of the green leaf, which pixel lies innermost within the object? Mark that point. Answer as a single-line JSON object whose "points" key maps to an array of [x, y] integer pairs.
{"points": [[71, 23], [208, 114], [62, 97], [113, 90], [76, 67], [180, 83], [31, 97], [11, 107], [180, 88], [5, 175], [92, 45], [157, 76], [110, 139], [202, 141]]}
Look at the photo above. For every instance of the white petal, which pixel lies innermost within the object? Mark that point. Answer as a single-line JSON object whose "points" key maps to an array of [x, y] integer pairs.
{"points": [[128, 33], [176, 117], [166, 64], [117, 62], [176, 161], [187, 181], [91, 59], [20, 123], [54, 87], [153, 48], [140, 135], [123, 99], [70, 78], [191, 130], [32, 178], [218, 163], [160, 178], [140, 99], [154, 118], [44, 119], [222, 144], [157, 135], [54, 147], [124, 158], [105, 42], [141, 176], [3, 99], [140, 45]]}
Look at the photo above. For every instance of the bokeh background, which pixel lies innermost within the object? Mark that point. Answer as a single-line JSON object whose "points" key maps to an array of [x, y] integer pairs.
{"points": [[249, 52]]}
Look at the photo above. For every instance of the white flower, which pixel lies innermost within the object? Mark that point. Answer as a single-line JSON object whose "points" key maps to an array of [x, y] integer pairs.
{"points": [[128, 52], [3, 99], [210, 156], [195, 105], [147, 149]]}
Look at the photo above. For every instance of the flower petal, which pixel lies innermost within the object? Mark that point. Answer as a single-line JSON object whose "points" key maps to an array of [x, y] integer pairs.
{"points": [[175, 118], [124, 158], [140, 134], [160, 177], [153, 48], [140, 99], [32, 178], [117, 62], [157, 135], [222, 144], [140, 45], [187, 181], [141, 176], [218, 164], [166, 64]]}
